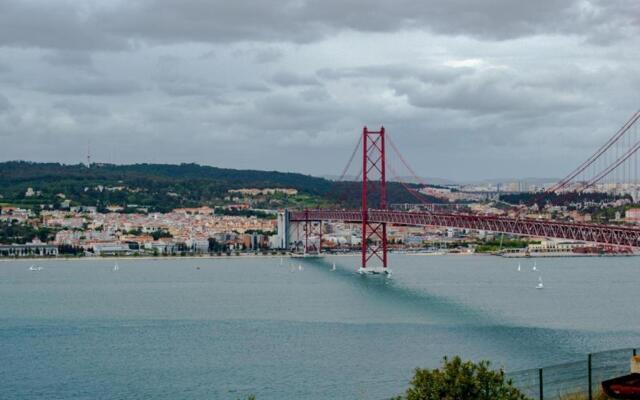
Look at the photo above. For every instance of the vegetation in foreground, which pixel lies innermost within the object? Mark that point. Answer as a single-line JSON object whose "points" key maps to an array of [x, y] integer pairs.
{"points": [[458, 380]]}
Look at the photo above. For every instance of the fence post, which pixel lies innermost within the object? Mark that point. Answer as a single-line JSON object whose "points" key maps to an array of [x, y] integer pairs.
{"points": [[590, 379], [541, 384]]}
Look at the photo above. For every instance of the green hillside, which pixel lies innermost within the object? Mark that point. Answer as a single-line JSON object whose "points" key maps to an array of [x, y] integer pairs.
{"points": [[163, 187]]}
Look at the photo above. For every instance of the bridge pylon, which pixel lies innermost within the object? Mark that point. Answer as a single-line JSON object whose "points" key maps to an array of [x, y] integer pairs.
{"points": [[374, 188]]}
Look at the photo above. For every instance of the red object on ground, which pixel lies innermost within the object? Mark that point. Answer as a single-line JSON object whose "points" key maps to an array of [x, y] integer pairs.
{"points": [[624, 388]]}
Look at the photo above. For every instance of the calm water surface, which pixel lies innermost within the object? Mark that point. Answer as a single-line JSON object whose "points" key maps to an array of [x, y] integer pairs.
{"points": [[164, 329]]}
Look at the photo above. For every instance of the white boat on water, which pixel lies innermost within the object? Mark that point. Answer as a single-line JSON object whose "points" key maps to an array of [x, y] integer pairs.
{"points": [[333, 267], [116, 267], [540, 285], [535, 266], [35, 268], [519, 267]]}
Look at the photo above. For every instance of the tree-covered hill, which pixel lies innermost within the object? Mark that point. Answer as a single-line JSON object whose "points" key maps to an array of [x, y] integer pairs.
{"points": [[165, 186]]}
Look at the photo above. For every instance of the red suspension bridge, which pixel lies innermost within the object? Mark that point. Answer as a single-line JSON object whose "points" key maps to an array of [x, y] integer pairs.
{"points": [[614, 166]]}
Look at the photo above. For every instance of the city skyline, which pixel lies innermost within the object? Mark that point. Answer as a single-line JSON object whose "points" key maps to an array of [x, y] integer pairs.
{"points": [[528, 89]]}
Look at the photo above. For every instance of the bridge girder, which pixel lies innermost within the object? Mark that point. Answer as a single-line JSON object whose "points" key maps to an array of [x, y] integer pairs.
{"points": [[594, 233]]}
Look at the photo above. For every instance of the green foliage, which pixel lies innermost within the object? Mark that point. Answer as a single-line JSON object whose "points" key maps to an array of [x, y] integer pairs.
{"points": [[494, 245], [244, 213], [67, 249], [160, 233], [13, 232], [458, 380], [160, 187], [163, 187]]}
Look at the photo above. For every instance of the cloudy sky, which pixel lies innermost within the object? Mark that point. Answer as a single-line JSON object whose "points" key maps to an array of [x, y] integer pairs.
{"points": [[467, 89]]}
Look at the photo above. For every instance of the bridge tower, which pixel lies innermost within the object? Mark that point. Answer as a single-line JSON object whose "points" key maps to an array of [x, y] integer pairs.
{"points": [[374, 188]]}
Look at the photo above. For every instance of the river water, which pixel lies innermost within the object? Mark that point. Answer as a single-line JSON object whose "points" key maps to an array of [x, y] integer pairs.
{"points": [[226, 328]]}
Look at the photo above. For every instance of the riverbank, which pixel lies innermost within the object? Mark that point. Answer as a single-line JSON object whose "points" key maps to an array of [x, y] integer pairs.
{"points": [[172, 257]]}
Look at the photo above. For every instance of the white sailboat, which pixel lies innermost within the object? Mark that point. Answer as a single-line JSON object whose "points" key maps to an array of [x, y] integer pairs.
{"points": [[535, 266], [299, 267], [519, 267], [540, 285], [116, 267], [333, 267]]}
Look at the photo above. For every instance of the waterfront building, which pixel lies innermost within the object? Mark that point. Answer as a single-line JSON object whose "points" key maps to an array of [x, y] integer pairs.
{"points": [[632, 216], [28, 250]]}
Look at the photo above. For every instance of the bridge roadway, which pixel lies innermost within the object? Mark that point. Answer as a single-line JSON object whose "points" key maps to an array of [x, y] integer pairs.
{"points": [[594, 233]]}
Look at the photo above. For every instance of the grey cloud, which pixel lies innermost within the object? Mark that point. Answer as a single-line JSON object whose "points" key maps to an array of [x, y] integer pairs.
{"points": [[4, 103], [90, 86], [287, 78], [491, 92], [430, 73], [189, 87], [268, 55], [222, 21], [69, 58], [530, 80], [252, 87], [315, 95], [81, 108], [65, 24], [61, 24], [260, 53]]}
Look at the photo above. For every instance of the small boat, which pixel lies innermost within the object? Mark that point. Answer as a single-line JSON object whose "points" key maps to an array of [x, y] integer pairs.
{"points": [[34, 268], [333, 267], [519, 267], [535, 266], [116, 267], [540, 285], [299, 267]]}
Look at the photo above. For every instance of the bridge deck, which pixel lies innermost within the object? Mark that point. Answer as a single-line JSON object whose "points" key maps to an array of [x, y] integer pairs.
{"points": [[595, 233]]}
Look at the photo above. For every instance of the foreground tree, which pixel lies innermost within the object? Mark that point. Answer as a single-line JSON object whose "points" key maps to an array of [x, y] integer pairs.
{"points": [[458, 380]]}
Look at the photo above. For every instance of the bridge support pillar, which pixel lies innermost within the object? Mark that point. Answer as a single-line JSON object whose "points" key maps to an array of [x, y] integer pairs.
{"points": [[374, 188]]}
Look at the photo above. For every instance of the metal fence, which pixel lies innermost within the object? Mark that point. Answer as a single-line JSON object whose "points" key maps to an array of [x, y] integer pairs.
{"points": [[581, 378]]}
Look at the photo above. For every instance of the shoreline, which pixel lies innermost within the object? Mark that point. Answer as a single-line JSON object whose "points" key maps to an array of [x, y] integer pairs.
{"points": [[145, 258]]}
